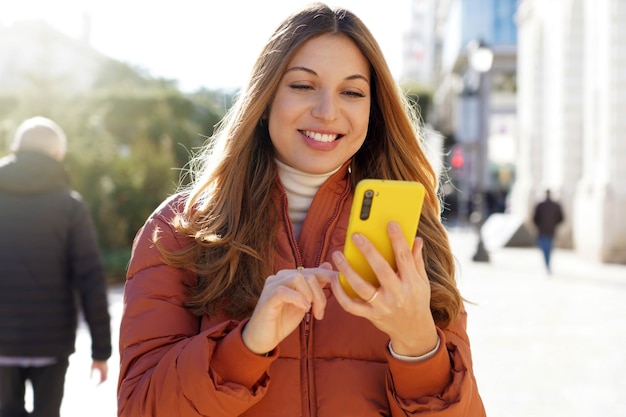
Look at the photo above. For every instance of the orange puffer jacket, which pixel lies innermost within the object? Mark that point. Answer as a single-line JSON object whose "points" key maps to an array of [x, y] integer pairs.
{"points": [[175, 364]]}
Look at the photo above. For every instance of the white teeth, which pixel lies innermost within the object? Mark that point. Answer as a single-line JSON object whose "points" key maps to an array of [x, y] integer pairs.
{"points": [[320, 137]]}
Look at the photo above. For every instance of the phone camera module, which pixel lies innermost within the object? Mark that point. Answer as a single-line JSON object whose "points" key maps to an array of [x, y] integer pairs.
{"points": [[367, 204]]}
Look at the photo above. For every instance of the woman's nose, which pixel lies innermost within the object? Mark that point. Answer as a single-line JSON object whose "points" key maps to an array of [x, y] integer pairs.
{"points": [[325, 107]]}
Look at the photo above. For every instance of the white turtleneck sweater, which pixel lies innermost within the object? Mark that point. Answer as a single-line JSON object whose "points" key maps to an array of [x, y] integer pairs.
{"points": [[300, 187]]}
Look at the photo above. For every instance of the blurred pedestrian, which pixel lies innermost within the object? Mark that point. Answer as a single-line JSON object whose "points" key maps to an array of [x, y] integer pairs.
{"points": [[547, 216], [232, 301], [50, 267]]}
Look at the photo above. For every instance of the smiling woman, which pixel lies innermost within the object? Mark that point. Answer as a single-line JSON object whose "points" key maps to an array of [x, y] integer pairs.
{"points": [[152, 34], [320, 114], [240, 268]]}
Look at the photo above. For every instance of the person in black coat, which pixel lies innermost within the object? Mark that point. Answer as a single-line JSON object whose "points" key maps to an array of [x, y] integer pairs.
{"points": [[547, 216], [50, 267]]}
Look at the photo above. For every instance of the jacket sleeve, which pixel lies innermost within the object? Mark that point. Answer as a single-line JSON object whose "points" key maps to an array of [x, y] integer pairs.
{"points": [[168, 366], [88, 277], [441, 386]]}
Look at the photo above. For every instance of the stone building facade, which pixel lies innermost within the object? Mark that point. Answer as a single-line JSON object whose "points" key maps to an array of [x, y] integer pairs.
{"points": [[571, 123]]}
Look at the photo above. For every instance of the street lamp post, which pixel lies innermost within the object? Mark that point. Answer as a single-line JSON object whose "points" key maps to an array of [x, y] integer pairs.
{"points": [[480, 58]]}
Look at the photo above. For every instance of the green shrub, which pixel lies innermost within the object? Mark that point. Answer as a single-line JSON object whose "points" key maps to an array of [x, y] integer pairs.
{"points": [[115, 263]]}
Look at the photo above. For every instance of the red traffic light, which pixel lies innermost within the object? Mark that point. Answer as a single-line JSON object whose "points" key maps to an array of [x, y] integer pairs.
{"points": [[457, 159]]}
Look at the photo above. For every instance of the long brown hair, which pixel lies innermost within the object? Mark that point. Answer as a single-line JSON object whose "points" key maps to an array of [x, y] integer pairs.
{"points": [[234, 177]]}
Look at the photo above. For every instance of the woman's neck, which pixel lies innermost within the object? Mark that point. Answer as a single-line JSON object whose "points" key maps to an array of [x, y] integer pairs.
{"points": [[300, 187]]}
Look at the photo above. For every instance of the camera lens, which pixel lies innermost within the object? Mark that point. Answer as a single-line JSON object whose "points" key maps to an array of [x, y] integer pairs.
{"points": [[367, 204]]}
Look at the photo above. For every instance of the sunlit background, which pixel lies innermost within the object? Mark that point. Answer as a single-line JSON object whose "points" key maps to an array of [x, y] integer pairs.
{"points": [[138, 84], [200, 43]]}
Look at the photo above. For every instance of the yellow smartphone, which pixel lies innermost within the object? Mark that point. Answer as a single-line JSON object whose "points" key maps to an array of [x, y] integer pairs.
{"points": [[376, 203]]}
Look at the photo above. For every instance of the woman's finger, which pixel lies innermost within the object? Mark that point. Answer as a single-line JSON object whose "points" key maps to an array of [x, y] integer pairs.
{"points": [[365, 290], [285, 291], [361, 287], [317, 279], [318, 300], [404, 256], [384, 271], [418, 257]]}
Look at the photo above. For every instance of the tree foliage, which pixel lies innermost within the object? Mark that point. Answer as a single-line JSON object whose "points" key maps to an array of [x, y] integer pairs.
{"points": [[128, 139]]}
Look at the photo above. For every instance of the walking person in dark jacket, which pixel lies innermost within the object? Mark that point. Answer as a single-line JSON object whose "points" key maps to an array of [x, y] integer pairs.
{"points": [[50, 266], [548, 214]]}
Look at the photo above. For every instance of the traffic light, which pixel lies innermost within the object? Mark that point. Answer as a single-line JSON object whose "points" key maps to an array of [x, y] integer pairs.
{"points": [[457, 158]]}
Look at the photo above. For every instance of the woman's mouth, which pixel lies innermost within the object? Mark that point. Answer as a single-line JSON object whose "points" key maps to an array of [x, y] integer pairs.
{"points": [[320, 137]]}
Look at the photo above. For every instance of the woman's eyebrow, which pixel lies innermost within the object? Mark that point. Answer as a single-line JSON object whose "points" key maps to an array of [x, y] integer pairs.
{"points": [[358, 77], [305, 69], [310, 71]]}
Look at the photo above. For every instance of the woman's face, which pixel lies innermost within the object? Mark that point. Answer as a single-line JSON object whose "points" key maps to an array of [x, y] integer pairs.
{"points": [[319, 116]]}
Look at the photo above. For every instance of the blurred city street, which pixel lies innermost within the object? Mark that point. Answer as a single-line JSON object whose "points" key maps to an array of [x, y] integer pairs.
{"points": [[543, 345]]}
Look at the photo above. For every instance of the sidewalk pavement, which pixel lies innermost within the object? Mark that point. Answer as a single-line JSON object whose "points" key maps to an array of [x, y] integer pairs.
{"points": [[543, 345]]}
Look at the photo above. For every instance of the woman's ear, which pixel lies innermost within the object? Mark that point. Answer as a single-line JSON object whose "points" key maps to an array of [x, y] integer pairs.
{"points": [[263, 119]]}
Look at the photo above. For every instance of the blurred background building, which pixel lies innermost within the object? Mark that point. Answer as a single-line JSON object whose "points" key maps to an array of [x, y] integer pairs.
{"points": [[473, 107], [572, 134], [527, 95]]}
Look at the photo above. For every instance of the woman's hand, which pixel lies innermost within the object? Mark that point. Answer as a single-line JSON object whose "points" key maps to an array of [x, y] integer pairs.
{"points": [[400, 307], [285, 299]]}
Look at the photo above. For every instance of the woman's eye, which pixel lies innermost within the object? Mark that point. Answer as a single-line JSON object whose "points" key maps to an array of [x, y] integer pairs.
{"points": [[355, 94], [301, 87]]}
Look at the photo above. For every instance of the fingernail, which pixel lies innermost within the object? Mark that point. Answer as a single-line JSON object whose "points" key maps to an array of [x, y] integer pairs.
{"points": [[357, 238], [325, 265], [337, 257], [394, 227]]}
